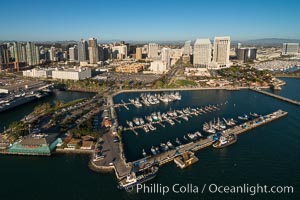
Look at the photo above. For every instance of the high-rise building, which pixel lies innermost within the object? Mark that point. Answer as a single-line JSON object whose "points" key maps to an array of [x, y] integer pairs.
{"points": [[166, 56], [238, 46], [290, 48], [93, 51], [32, 54], [73, 53], [153, 50], [100, 53], [246, 54], [52, 54], [187, 48], [119, 52], [83, 50], [4, 59], [202, 53], [145, 49], [138, 53], [19, 52], [221, 52]]}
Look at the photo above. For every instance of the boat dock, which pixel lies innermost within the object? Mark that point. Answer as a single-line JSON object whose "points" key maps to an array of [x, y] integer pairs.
{"points": [[124, 104], [170, 155], [277, 96], [170, 119]]}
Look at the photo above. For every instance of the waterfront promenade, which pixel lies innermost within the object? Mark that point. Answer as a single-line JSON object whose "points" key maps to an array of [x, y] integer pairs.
{"points": [[276, 96]]}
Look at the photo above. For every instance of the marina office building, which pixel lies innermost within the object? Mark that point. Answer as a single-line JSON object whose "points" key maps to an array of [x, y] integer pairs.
{"points": [[35, 145]]}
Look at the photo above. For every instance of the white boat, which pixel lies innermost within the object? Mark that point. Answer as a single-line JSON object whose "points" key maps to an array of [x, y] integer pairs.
{"points": [[151, 127], [170, 145], [170, 121], [144, 153], [198, 134], [136, 121], [244, 117], [153, 150], [178, 141], [164, 147], [254, 114], [146, 129], [184, 117], [142, 122], [129, 123], [191, 136]]}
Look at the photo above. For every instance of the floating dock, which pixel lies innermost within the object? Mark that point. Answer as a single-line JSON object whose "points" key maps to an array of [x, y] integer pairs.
{"points": [[185, 160]]}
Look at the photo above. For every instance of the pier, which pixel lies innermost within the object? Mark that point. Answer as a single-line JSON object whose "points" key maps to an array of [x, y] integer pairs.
{"points": [[277, 96], [125, 104], [170, 155]]}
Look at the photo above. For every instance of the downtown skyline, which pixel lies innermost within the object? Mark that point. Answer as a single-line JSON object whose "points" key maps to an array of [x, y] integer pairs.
{"points": [[146, 21]]}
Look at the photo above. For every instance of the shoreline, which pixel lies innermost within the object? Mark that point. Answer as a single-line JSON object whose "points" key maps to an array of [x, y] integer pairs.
{"points": [[287, 76]]}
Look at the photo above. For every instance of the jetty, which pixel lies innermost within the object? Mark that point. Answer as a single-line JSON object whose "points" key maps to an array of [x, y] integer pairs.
{"points": [[276, 96]]}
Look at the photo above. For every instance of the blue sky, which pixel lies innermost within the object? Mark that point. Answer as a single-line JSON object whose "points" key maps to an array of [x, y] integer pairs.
{"points": [[148, 19]]}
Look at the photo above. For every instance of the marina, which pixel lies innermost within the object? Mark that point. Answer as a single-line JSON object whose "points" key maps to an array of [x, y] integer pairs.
{"points": [[168, 117], [169, 155], [209, 160], [150, 99]]}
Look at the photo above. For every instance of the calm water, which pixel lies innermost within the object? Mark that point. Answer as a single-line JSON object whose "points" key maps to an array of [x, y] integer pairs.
{"points": [[267, 155], [291, 89]]}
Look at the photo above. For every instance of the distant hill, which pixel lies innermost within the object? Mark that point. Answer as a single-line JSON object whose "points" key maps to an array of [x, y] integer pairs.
{"points": [[271, 41]]}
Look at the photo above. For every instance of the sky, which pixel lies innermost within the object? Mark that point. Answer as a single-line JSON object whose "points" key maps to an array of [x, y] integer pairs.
{"points": [[145, 20]]}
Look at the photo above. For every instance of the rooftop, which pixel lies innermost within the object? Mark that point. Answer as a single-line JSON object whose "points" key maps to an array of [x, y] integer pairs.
{"points": [[202, 41]]}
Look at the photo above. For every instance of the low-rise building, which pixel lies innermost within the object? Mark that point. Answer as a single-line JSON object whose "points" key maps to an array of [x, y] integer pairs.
{"points": [[87, 145], [131, 68], [72, 73], [40, 144], [38, 73], [196, 71], [159, 67], [73, 143]]}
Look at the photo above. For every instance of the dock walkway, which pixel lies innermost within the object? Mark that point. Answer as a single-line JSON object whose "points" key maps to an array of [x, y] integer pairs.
{"points": [[277, 96]]}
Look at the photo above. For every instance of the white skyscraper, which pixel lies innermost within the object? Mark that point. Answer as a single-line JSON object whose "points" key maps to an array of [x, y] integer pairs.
{"points": [[153, 50], [202, 53], [166, 56], [73, 53], [52, 54], [290, 48], [187, 48], [221, 52], [119, 52]]}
